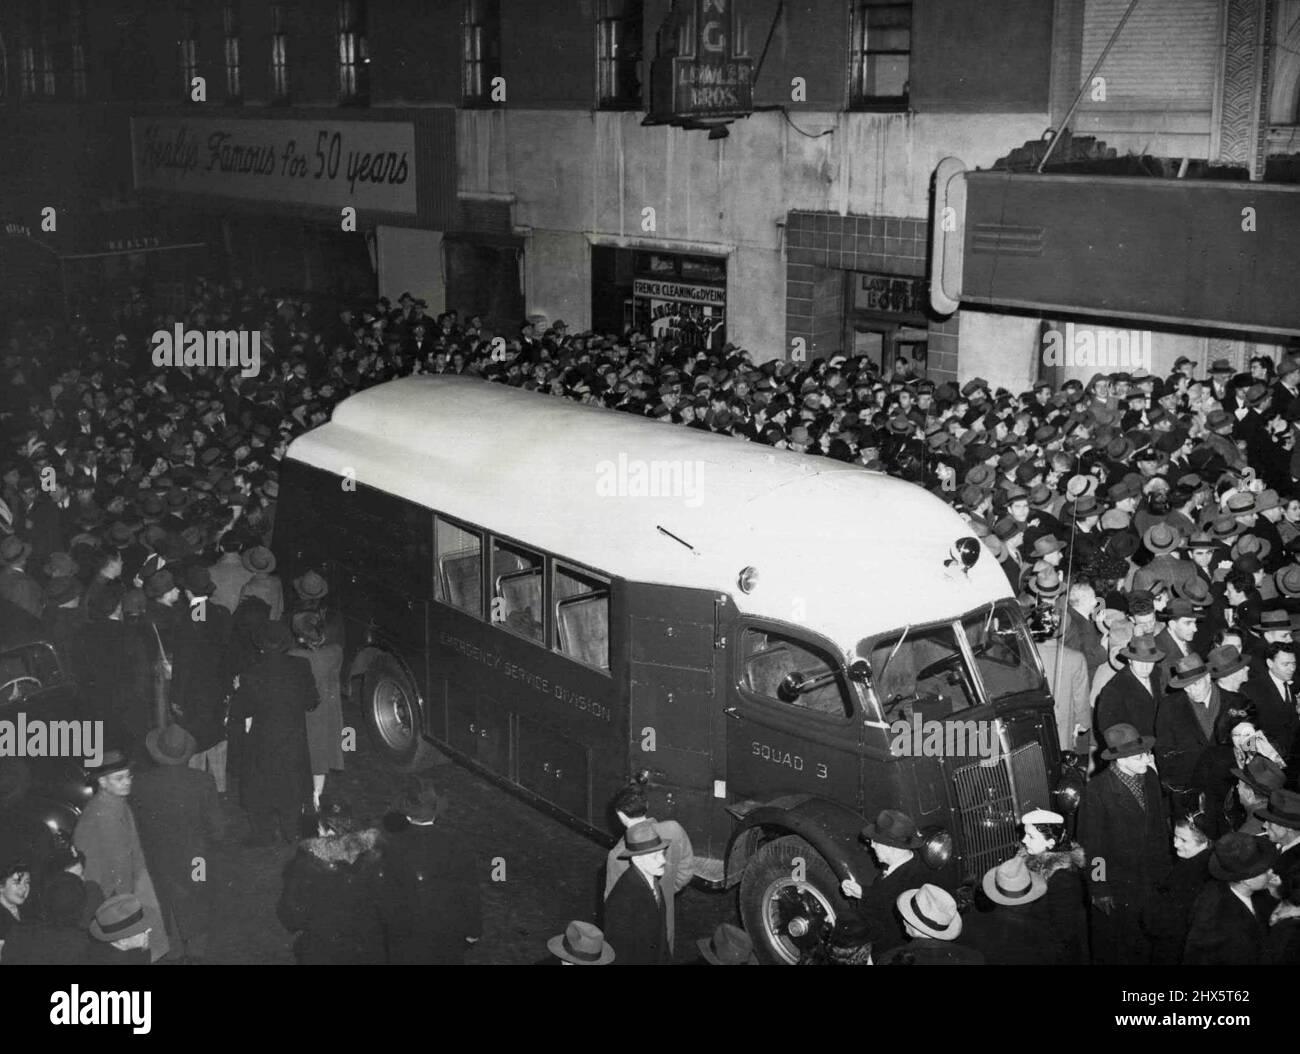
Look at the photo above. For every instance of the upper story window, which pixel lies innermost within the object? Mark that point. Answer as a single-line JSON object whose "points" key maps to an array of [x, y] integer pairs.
{"points": [[188, 47], [481, 58], [279, 54], [232, 30], [619, 28], [880, 51], [28, 50], [354, 84], [77, 47]]}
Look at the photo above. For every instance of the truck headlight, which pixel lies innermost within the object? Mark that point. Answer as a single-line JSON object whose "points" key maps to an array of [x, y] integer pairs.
{"points": [[936, 850], [1069, 791]]}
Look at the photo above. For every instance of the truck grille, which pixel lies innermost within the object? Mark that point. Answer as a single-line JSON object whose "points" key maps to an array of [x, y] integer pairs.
{"points": [[989, 810]]}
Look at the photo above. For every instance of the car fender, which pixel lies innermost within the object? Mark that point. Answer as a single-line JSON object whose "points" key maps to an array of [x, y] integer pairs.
{"points": [[830, 828]]}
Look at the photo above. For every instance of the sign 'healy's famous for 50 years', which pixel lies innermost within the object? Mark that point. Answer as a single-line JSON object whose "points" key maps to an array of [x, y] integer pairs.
{"points": [[365, 164]]}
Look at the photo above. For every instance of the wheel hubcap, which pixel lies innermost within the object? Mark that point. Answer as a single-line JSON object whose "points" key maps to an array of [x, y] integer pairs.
{"points": [[394, 715], [794, 916]]}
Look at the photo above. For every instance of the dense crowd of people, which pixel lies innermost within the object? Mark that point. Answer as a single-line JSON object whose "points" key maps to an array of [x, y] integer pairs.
{"points": [[1151, 526]]}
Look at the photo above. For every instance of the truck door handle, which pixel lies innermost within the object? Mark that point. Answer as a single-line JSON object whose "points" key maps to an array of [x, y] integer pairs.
{"points": [[731, 711]]}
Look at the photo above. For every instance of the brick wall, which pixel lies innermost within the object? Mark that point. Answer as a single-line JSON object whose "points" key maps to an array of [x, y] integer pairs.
{"points": [[821, 246]]}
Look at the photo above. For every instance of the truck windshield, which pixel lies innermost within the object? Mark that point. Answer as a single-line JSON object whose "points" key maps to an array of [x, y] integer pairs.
{"points": [[923, 670]]}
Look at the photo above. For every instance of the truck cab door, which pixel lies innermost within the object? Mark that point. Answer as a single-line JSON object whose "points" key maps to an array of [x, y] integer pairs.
{"points": [[790, 742]]}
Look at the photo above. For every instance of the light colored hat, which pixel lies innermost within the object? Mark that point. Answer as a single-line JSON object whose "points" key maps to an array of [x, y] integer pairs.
{"points": [[1012, 883], [932, 911]]}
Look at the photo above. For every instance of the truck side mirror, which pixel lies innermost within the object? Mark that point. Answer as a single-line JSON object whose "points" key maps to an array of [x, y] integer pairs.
{"points": [[860, 671]]}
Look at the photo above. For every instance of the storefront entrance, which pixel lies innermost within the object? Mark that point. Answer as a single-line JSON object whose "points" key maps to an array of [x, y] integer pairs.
{"points": [[671, 296], [885, 321]]}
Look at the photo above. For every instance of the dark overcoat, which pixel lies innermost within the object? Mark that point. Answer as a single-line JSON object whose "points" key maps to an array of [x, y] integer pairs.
{"points": [[1125, 701], [635, 926], [331, 900], [1222, 931], [878, 907], [1180, 738], [275, 770], [201, 675], [1169, 912], [178, 815], [432, 901], [1132, 843]]}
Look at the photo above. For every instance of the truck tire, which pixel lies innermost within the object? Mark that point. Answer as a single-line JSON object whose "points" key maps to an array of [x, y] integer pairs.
{"points": [[782, 915], [394, 719]]}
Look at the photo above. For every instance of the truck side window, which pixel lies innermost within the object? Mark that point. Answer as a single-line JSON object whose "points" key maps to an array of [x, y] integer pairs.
{"points": [[517, 590], [582, 617], [460, 562], [780, 668]]}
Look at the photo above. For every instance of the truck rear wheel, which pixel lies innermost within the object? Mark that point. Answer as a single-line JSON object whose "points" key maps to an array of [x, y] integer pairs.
{"points": [[393, 717], [784, 905]]}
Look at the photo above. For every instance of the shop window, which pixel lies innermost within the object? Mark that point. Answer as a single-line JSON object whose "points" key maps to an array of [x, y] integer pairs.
{"points": [[279, 54], [460, 567], [880, 48], [781, 669], [232, 31], [481, 60], [582, 617], [188, 49], [354, 81], [517, 590], [618, 54]]}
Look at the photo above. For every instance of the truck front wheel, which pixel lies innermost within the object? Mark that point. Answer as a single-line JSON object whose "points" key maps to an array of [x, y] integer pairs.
{"points": [[788, 895]]}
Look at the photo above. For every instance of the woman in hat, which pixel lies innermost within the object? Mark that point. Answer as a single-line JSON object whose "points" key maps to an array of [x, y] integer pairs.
{"points": [[1052, 856], [271, 704], [1168, 915], [1227, 928], [325, 722]]}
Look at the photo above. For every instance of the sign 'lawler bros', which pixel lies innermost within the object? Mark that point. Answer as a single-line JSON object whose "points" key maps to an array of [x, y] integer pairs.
{"points": [[364, 164]]}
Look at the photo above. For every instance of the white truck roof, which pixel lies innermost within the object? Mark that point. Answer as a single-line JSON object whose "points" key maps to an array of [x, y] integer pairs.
{"points": [[839, 549]]}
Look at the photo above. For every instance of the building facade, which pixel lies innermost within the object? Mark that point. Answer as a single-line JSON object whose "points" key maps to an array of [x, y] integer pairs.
{"points": [[590, 160]]}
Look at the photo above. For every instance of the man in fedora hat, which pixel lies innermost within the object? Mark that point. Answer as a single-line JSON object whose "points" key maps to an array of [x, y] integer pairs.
{"points": [[106, 833], [636, 921], [1185, 723], [1282, 825], [122, 932], [581, 944], [179, 818], [1129, 698], [893, 840], [229, 575], [632, 806], [728, 946], [932, 924], [1270, 687], [432, 905], [1011, 925], [16, 585], [1229, 920], [1182, 621], [1123, 826], [264, 583], [1256, 782]]}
